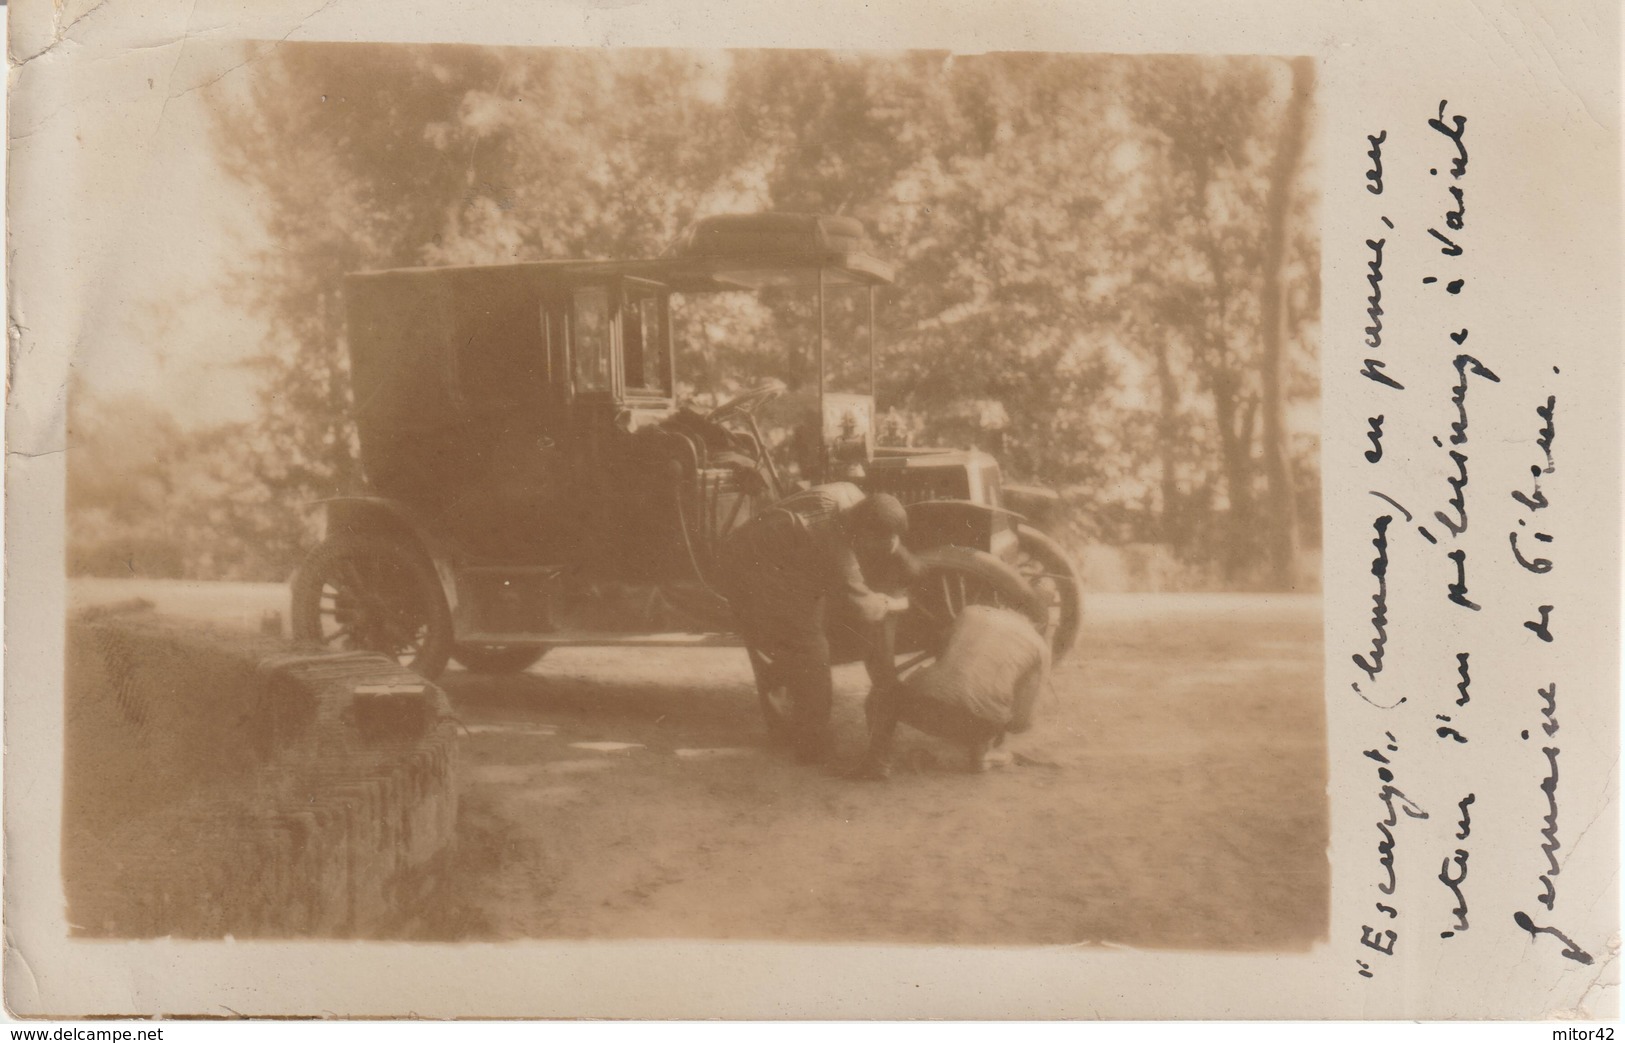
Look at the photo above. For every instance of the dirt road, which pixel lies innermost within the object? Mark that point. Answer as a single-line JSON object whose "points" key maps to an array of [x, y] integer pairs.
{"points": [[1179, 802], [1178, 799]]}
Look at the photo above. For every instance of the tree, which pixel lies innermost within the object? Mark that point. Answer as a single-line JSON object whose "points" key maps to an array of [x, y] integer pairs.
{"points": [[1283, 515], [364, 157], [1215, 284], [1105, 271]]}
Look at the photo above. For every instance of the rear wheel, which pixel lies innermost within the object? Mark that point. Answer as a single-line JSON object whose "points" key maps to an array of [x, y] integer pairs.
{"points": [[498, 659], [374, 595]]}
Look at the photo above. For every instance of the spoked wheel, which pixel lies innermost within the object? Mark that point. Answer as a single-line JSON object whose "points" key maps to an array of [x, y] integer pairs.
{"points": [[1047, 569], [374, 595], [498, 659], [950, 579]]}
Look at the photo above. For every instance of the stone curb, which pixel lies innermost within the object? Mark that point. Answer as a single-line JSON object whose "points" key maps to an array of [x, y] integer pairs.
{"points": [[225, 784]]}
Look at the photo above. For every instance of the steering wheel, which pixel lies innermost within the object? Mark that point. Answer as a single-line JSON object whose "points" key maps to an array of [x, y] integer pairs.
{"points": [[747, 402]]}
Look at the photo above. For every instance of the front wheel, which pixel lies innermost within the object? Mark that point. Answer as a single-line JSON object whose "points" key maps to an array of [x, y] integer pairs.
{"points": [[375, 595], [948, 580], [1048, 570]]}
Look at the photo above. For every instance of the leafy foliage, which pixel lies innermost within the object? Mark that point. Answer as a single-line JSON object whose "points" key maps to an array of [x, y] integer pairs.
{"points": [[1084, 246]]}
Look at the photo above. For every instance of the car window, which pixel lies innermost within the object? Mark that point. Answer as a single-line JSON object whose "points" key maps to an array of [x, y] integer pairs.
{"points": [[590, 319], [644, 340]]}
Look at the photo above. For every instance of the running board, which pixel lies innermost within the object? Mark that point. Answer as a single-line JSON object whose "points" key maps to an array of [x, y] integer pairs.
{"points": [[613, 638]]}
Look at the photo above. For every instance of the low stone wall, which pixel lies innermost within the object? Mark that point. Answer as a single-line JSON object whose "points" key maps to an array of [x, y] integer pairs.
{"points": [[220, 783]]}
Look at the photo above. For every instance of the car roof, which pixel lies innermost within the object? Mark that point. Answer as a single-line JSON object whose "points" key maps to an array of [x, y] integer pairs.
{"points": [[725, 253]]}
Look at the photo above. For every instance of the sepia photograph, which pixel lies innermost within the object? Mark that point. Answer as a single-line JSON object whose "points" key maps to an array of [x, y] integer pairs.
{"points": [[709, 511], [758, 495]]}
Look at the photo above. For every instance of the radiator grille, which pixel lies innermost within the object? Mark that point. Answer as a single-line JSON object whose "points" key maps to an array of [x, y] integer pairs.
{"points": [[922, 484]]}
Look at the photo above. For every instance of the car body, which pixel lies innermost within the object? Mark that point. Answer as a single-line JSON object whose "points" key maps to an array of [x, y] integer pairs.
{"points": [[534, 482]]}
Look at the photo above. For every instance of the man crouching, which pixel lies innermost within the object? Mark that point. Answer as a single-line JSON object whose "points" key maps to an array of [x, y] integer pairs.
{"points": [[985, 683]]}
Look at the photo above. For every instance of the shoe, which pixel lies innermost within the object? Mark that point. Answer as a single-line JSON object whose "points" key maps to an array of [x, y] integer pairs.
{"points": [[979, 756], [997, 759]]}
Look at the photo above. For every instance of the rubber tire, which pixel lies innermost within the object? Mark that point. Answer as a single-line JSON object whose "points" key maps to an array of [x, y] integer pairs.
{"points": [[1044, 549], [922, 632], [979, 565], [1009, 584], [500, 659], [413, 567]]}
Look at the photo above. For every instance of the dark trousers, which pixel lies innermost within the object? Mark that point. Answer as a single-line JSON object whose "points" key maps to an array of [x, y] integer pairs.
{"points": [[787, 632]]}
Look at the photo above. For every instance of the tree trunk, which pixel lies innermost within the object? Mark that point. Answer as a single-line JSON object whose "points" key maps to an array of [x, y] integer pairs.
{"points": [[1282, 527], [1235, 444], [1174, 521]]}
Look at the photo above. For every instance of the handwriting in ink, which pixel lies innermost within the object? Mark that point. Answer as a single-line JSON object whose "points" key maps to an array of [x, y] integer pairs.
{"points": [[1454, 881], [1548, 709], [1570, 950], [1374, 174], [1447, 730], [1456, 131], [1548, 431], [1450, 248], [1457, 591], [1545, 437], [1458, 496], [1458, 394], [1537, 500], [1382, 941], [1543, 628], [1373, 370], [1539, 566], [1465, 366], [1373, 300], [1385, 858], [1394, 802], [1457, 219], [1452, 287], [1390, 501], [1374, 454], [1549, 844], [1466, 823], [1379, 601], [1385, 846]]}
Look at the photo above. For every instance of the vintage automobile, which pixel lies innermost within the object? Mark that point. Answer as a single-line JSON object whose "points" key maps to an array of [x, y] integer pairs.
{"points": [[533, 481]]}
